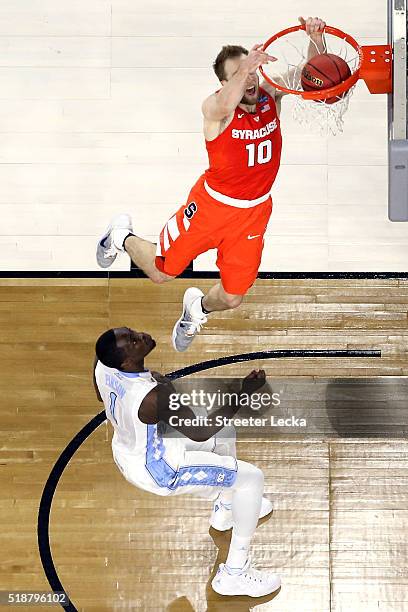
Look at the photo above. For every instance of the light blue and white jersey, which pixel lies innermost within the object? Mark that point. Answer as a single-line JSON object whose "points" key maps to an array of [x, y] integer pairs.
{"points": [[146, 459], [122, 394], [136, 445]]}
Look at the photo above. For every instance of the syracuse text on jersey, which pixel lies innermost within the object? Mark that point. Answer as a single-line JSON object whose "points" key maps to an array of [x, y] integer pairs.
{"points": [[255, 134]]}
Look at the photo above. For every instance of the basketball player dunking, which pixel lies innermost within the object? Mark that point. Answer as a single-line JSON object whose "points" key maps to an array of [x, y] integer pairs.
{"points": [[200, 463], [229, 207]]}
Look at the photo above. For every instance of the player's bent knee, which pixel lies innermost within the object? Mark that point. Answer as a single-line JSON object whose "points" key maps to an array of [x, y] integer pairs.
{"points": [[249, 476], [232, 301], [158, 278]]}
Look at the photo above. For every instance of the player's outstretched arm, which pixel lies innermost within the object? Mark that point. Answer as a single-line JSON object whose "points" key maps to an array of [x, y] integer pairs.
{"points": [[161, 404], [158, 407], [222, 104]]}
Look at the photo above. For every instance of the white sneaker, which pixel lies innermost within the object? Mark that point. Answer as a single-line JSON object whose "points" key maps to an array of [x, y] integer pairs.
{"points": [[191, 320], [109, 245], [251, 582], [221, 517]]}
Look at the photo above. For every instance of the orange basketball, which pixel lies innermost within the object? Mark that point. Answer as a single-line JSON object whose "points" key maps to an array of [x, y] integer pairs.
{"points": [[324, 71]]}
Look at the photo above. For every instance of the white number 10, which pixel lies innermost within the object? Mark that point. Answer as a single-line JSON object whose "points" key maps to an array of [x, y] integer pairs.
{"points": [[264, 153]]}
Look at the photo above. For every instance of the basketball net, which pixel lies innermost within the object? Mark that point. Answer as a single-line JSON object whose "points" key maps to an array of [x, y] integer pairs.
{"points": [[292, 52]]}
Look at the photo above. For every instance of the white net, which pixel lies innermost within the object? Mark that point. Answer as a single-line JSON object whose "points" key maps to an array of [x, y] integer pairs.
{"points": [[292, 52], [320, 116]]}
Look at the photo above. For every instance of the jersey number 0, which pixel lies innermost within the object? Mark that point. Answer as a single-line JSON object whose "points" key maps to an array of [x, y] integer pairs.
{"points": [[263, 153]]}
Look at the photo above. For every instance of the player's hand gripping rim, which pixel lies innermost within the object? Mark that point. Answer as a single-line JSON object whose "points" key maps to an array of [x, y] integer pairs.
{"points": [[314, 26]]}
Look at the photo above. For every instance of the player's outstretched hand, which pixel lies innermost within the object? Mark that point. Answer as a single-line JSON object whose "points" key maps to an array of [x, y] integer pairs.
{"points": [[254, 381], [257, 57], [314, 26]]}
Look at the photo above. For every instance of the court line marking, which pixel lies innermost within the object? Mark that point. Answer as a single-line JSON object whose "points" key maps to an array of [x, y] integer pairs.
{"points": [[202, 274]]}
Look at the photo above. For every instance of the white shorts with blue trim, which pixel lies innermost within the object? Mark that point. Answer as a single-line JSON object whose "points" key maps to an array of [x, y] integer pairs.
{"points": [[202, 469]]}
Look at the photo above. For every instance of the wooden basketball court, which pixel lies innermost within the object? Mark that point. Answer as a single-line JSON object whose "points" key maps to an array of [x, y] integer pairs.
{"points": [[338, 531]]}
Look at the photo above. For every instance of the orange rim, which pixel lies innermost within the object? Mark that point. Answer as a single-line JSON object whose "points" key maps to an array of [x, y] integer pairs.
{"points": [[321, 94]]}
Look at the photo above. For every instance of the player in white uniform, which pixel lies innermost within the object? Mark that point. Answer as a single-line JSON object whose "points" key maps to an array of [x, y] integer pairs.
{"points": [[136, 404]]}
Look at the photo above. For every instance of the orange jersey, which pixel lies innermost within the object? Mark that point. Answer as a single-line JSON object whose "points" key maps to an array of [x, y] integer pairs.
{"points": [[244, 160]]}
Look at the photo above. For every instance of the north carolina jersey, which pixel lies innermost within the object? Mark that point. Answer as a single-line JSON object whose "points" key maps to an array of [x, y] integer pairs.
{"points": [[122, 394], [245, 158], [146, 459], [134, 443]]}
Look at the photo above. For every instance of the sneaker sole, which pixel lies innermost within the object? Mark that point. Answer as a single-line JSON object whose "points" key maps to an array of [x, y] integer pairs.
{"points": [[244, 594], [104, 262], [174, 333]]}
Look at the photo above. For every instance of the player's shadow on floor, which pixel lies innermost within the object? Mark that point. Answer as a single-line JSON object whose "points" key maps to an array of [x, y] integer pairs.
{"points": [[181, 604], [372, 408], [221, 603]]}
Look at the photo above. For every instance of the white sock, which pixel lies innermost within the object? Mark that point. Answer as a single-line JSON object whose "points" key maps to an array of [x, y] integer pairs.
{"points": [[237, 554], [118, 237], [246, 504]]}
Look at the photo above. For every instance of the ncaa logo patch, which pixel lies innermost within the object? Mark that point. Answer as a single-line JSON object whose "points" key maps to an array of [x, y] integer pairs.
{"points": [[191, 210]]}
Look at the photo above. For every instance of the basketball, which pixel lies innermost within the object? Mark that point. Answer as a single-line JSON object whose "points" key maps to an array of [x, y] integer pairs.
{"points": [[324, 71]]}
